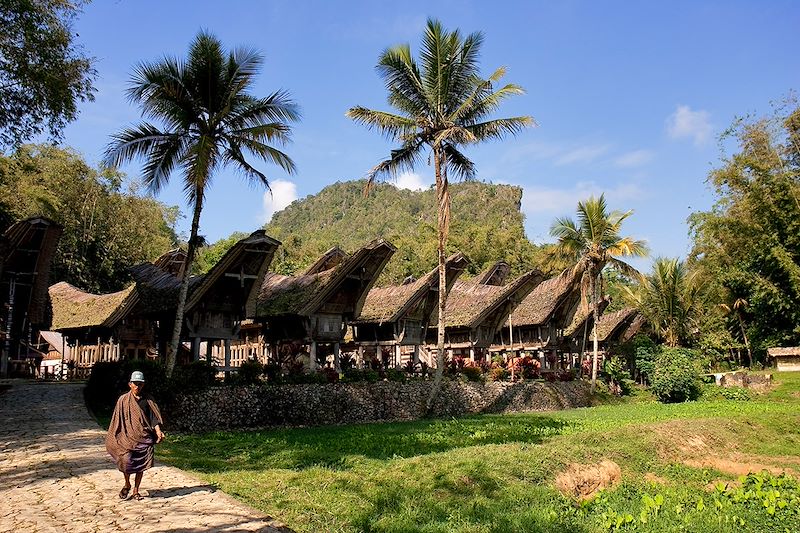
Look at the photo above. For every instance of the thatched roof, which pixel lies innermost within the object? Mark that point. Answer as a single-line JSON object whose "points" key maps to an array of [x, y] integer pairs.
{"points": [[496, 274], [539, 306], [469, 303], [172, 261], [614, 324], [582, 314], [327, 261], [342, 288], [242, 269], [784, 351], [26, 250], [390, 303], [77, 309]]}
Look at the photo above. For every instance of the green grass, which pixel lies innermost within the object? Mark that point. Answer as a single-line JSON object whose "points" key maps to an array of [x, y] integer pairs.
{"points": [[494, 473]]}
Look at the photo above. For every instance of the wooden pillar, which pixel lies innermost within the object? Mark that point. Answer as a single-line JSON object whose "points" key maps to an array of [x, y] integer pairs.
{"points": [[195, 348], [227, 356], [472, 353], [398, 356], [415, 357], [312, 356], [360, 357], [336, 363]]}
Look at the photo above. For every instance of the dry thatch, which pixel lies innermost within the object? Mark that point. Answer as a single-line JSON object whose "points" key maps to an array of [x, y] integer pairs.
{"points": [[172, 261], [614, 324], [784, 351], [76, 309], [582, 314], [469, 303], [305, 295], [389, 304], [327, 261], [538, 307]]}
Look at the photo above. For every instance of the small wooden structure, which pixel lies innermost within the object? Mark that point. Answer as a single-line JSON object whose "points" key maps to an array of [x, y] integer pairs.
{"points": [[576, 338], [315, 307], [787, 359], [398, 316], [477, 309], [26, 252]]}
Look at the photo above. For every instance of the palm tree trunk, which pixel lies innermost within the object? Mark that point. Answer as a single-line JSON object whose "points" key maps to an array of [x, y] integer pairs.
{"points": [[596, 315], [172, 351], [746, 341], [442, 208]]}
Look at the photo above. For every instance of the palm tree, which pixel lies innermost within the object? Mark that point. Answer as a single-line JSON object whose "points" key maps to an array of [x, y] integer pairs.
{"points": [[668, 299], [738, 308], [210, 121], [594, 242], [443, 104]]}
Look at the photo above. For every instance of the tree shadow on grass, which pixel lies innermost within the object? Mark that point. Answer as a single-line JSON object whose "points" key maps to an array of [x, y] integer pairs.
{"points": [[342, 446]]}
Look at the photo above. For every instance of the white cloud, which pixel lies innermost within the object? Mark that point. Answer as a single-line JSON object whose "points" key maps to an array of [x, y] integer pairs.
{"points": [[635, 158], [685, 123], [543, 200], [411, 181], [582, 154], [283, 193]]}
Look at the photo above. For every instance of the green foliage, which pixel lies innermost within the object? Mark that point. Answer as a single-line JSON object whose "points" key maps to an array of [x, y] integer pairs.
{"points": [[676, 377], [616, 377], [208, 256], [106, 228], [248, 373], [43, 72], [747, 247], [487, 226]]}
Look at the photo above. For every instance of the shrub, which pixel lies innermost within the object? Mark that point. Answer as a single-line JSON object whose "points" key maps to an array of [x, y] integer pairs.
{"points": [[355, 375], [566, 375], [615, 377], [498, 373], [273, 373], [194, 377], [248, 373], [472, 372], [676, 377]]}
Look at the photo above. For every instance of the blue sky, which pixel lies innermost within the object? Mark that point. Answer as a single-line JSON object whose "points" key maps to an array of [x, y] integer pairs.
{"points": [[629, 96]]}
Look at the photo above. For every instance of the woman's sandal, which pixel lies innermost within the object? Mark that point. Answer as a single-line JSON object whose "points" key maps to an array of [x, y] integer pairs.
{"points": [[124, 492], [136, 496]]}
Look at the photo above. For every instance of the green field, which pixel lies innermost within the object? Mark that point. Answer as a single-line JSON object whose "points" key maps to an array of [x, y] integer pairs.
{"points": [[681, 467]]}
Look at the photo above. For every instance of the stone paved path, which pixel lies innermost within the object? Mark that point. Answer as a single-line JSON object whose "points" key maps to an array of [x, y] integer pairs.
{"points": [[55, 476]]}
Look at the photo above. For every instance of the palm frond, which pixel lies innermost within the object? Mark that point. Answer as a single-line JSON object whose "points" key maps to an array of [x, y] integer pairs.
{"points": [[234, 154], [403, 158], [497, 128], [462, 167], [403, 81], [625, 269], [264, 152], [390, 125]]}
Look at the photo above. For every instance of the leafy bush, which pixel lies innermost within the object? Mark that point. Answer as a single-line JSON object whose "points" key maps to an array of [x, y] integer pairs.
{"points": [[393, 374], [498, 373], [472, 373], [194, 377], [676, 377], [248, 373], [355, 375], [616, 377]]}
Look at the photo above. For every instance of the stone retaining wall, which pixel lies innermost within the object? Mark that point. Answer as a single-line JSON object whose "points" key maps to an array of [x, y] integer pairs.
{"points": [[351, 403]]}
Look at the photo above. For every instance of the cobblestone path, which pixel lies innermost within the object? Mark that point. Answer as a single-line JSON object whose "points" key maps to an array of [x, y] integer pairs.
{"points": [[55, 476]]}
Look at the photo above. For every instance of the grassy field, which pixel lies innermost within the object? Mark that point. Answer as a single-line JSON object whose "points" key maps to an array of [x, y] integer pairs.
{"points": [[681, 467]]}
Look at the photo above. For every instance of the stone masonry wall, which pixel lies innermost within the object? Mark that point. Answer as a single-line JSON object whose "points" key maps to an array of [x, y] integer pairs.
{"points": [[352, 403]]}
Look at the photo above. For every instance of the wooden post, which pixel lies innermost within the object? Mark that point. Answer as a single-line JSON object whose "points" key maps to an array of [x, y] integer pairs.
{"points": [[360, 357], [472, 353], [312, 356], [336, 364], [195, 348], [227, 357], [398, 356], [416, 354]]}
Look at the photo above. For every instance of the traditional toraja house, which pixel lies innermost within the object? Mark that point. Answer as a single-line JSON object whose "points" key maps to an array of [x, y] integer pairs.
{"points": [[314, 308], [98, 327], [476, 309], [26, 251], [618, 327], [537, 324], [399, 315], [217, 302]]}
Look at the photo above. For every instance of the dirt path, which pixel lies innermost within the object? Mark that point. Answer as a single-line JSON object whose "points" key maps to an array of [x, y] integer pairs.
{"points": [[55, 476]]}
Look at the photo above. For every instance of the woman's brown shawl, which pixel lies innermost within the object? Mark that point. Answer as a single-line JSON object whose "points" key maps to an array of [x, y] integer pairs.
{"points": [[129, 426]]}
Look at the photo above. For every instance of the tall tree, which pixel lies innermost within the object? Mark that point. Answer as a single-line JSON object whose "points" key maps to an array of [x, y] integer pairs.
{"points": [[107, 225], [443, 104], [594, 242], [747, 247], [43, 72], [210, 121]]}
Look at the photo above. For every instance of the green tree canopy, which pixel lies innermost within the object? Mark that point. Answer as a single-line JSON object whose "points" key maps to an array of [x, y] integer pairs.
{"points": [[107, 228], [747, 247], [43, 72]]}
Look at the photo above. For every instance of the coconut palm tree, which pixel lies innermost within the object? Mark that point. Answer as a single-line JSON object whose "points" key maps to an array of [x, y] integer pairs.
{"points": [[209, 121], [443, 104], [738, 308], [668, 298], [594, 242]]}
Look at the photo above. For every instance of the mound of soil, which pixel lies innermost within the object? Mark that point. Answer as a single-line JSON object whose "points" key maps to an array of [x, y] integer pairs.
{"points": [[583, 481]]}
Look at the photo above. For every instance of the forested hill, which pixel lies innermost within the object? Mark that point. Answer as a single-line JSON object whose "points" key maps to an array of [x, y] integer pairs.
{"points": [[486, 225]]}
